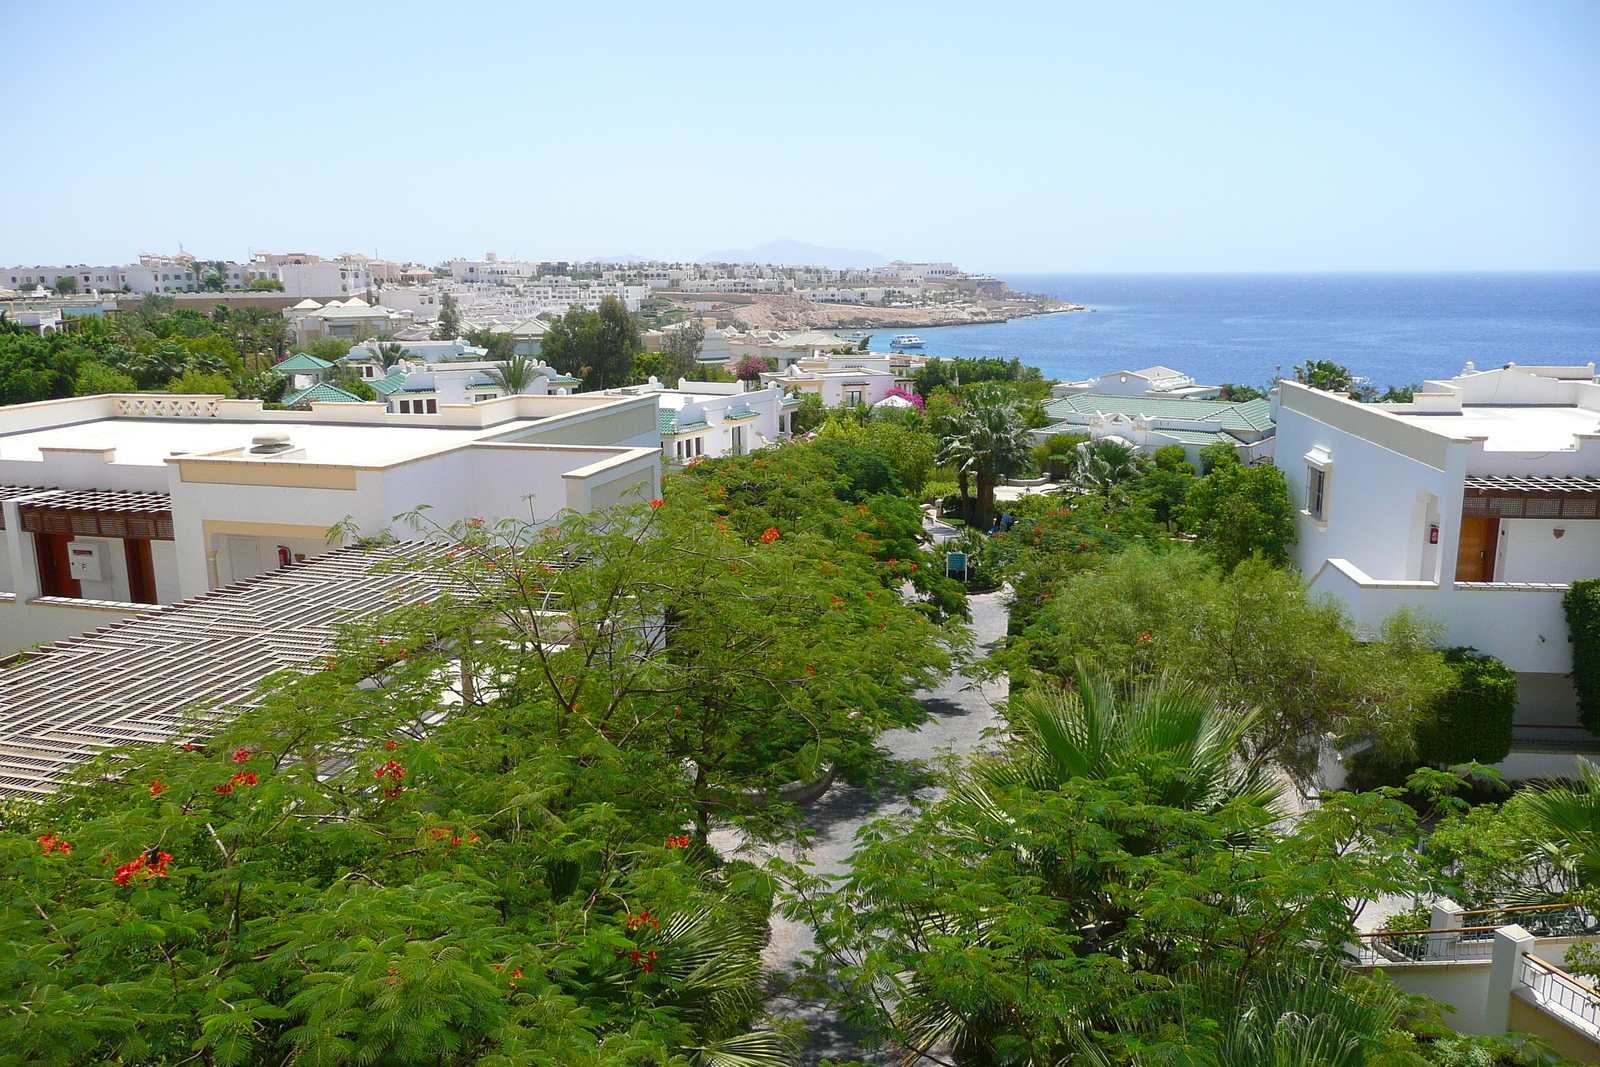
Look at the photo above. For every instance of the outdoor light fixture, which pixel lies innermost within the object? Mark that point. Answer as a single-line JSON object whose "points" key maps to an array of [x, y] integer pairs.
{"points": [[1560, 533]]}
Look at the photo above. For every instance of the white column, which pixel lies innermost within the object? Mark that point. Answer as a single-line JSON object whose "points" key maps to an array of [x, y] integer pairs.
{"points": [[1511, 943], [1442, 919], [20, 546]]}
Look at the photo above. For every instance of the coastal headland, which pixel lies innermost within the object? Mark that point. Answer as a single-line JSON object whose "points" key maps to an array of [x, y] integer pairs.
{"points": [[782, 311]]}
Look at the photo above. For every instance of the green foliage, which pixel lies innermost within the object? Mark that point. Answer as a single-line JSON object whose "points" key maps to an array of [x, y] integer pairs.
{"points": [[196, 381], [597, 346], [1219, 454], [908, 452], [1057, 455], [1471, 722], [1172, 458], [985, 440], [265, 285], [1062, 888], [809, 415], [1324, 374], [1240, 393], [330, 349], [94, 378], [448, 326], [1490, 856], [948, 374], [1255, 636], [66, 284], [1582, 605], [1239, 512], [1399, 394]]}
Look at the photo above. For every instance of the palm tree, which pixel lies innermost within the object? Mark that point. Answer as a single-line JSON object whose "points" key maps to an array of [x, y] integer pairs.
{"points": [[1569, 816], [1104, 464], [985, 442], [515, 374], [1105, 730]]}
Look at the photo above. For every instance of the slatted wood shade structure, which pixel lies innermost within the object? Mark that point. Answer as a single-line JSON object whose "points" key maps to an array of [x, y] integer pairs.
{"points": [[132, 682], [98, 513], [1529, 497]]}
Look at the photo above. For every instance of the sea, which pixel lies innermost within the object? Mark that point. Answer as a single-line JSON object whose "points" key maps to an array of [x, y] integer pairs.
{"points": [[1389, 329]]}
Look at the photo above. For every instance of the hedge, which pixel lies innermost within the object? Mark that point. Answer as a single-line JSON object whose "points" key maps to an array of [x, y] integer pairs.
{"points": [[1582, 603], [1472, 720]]}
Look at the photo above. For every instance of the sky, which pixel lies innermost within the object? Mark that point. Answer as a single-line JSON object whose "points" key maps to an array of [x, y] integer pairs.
{"points": [[1112, 136]]}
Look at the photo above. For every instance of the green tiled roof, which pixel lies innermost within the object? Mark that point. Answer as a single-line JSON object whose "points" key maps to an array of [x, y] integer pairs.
{"points": [[1251, 415], [667, 420], [392, 384], [322, 392], [740, 415], [1196, 437], [791, 400], [300, 361], [564, 379]]}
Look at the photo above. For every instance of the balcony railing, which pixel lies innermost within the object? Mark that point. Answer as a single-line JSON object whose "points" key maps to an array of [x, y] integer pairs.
{"points": [[1543, 920], [166, 407], [1455, 945], [1562, 994]]}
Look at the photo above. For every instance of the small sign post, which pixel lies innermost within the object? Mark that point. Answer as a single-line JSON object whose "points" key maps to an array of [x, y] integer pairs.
{"points": [[955, 561]]}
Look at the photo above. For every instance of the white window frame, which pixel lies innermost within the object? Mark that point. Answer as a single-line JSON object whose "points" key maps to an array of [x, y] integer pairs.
{"points": [[1319, 483]]}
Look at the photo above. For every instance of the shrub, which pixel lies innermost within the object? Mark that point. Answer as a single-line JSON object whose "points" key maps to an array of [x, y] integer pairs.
{"points": [[1582, 604], [1472, 719], [198, 382]]}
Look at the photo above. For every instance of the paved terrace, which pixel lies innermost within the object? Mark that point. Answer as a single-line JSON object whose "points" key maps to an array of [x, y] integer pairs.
{"points": [[133, 681]]}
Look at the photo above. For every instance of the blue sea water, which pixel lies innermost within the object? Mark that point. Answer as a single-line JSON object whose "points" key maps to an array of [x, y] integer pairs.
{"points": [[1393, 329]]}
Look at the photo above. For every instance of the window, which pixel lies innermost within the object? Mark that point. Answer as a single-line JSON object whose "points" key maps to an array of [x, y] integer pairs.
{"points": [[1316, 493], [433, 407], [405, 407], [852, 397]]}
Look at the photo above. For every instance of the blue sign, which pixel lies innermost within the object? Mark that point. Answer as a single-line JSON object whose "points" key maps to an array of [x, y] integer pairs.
{"points": [[955, 561]]}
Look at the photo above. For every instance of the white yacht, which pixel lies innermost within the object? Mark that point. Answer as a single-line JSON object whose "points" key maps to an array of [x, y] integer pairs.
{"points": [[907, 340]]}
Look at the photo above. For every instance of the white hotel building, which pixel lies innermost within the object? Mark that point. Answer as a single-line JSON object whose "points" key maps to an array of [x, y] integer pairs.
{"points": [[110, 504], [1476, 504]]}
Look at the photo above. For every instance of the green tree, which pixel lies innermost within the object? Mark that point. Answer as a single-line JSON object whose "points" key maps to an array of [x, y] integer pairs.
{"points": [[1240, 393], [1256, 636], [448, 328], [1050, 900], [1105, 464], [1237, 512], [196, 381], [809, 415], [1324, 374], [616, 344], [1057, 455], [94, 378], [680, 349], [67, 283], [1222, 453], [265, 285], [985, 441], [908, 451], [515, 375]]}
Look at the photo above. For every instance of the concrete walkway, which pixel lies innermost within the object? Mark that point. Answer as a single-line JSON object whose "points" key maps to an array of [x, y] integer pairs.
{"points": [[962, 709]]}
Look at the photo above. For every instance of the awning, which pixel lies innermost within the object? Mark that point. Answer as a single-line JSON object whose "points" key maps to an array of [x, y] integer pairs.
{"points": [[97, 513]]}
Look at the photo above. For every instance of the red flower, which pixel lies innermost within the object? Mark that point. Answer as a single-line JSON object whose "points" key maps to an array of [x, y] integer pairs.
{"points": [[241, 779], [677, 842], [51, 843], [770, 535], [388, 744], [656, 503], [152, 863], [1145, 636], [393, 772], [645, 960], [242, 755], [644, 918], [157, 787]]}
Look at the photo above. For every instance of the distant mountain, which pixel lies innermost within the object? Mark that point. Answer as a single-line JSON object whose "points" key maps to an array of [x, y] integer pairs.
{"points": [[798, 252]]}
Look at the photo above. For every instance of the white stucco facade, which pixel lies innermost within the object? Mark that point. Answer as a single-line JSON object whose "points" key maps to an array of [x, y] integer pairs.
{"points": [[171, 497], [1474, 505]]}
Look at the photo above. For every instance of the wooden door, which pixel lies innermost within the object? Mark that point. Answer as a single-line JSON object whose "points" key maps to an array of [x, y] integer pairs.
{"points": [[55, 575], [141, 571], [1475, 556]]}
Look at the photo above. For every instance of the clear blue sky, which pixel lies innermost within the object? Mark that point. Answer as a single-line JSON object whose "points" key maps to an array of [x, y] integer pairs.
{"points": [[1008, 137]]}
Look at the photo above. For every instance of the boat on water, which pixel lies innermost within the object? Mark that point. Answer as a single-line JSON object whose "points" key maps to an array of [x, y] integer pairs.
{"points": [[907, 340], [859, 335]]}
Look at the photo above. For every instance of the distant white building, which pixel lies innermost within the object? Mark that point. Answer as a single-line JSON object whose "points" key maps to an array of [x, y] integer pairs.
{"points": [[1475, 505], [321, 279], [1151, 381], [312, 321], [710, 419], [423, 303], [850, 382], [112, 503], [1151, 422]]}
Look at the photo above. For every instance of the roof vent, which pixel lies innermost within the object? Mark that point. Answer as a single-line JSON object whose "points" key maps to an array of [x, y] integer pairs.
{"points": [[269, 443]]}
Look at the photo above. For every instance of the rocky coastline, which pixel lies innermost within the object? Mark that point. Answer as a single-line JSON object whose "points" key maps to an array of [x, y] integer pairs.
{"points": [[779, 311]]}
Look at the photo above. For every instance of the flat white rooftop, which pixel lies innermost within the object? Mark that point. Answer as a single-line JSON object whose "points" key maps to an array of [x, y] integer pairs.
{"points": [[1532, 428], [148, 442]]}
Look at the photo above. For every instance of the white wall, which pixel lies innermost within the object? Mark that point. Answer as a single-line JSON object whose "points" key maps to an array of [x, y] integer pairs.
{"points": [[1530, 551], [24, 625], [1370, 503]]}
